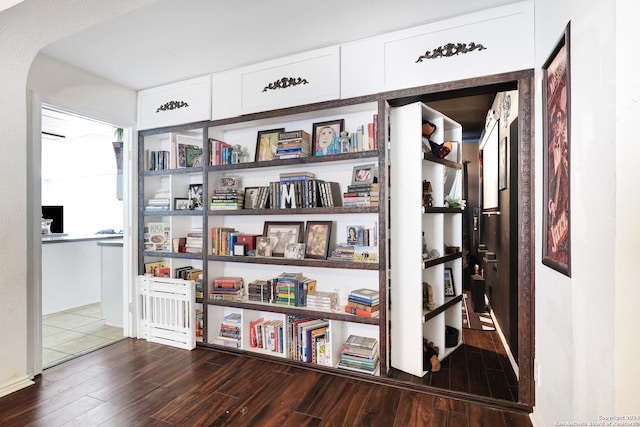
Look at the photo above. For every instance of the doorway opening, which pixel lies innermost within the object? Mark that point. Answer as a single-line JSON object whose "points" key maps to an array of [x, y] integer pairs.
{"points": [[82, 235]]}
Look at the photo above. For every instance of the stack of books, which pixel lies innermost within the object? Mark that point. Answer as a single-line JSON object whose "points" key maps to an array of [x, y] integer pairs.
{"points": [[259, 290], [322, 300], [363, 302], [360, 354], [160, 201], [227, 288], [227, 199], [362, 195], [230, 328], [193, 243], [293, 144]]}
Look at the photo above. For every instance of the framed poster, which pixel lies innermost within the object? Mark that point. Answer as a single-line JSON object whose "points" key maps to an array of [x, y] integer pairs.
{"points": [[556, 102]]}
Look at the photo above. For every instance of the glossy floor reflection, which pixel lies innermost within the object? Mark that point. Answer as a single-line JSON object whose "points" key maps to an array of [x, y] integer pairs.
{"points": [[70, 333]]}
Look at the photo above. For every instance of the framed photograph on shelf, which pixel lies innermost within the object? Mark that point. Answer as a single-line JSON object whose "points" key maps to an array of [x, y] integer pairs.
{"points": [[281, 233], [263, 246], [449, 290], [195, 195], [250, 197], [228, 182], [363, 174], [556, 103], [326, 137], [317, 237], [266, 144], [182, 204], [294, 250]]}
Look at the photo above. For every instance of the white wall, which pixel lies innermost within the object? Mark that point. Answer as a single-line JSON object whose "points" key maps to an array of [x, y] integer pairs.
{"points": [[586, 346], [24, 29], [627, 292]]}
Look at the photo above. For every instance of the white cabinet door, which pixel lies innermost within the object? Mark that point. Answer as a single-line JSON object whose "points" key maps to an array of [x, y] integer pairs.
{"points": [[492, 41], [295, 80], [173, 104]]}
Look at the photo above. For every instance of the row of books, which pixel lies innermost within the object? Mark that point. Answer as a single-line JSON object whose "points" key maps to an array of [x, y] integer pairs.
{"points": [[291, 289], [305, 193], [267, 334], [230, 334], [360, 354], [308, 339], [185, 152], [224, 239], [191, 244]]}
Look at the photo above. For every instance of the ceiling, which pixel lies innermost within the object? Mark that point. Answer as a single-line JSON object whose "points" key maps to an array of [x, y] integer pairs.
{"points": [[170, 41]]}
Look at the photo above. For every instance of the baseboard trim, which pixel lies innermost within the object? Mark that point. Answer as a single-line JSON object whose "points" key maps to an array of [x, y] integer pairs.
{"points": [[15, 386], [512, 359]]}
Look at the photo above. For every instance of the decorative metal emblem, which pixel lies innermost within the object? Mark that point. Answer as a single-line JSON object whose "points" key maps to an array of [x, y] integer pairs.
{"points": [[172, 105], [285, 82], [450, 49]]}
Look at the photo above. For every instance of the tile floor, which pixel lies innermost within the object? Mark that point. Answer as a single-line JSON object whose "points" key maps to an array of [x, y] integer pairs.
{"points": [[74, 332]]}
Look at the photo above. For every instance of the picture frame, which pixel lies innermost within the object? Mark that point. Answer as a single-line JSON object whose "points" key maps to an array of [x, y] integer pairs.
{"points": [[317, 238], [294, 251], [502, 164], [449, 288], [363, 174], [326, 137], [250, 197], [182, 204], [556, 106], [196, 196], [263, 246], [266, 144], [281, 233], [228, 182]]}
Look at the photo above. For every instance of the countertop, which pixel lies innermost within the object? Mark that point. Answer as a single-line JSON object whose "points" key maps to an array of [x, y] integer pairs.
{"points": [[58, 238]]}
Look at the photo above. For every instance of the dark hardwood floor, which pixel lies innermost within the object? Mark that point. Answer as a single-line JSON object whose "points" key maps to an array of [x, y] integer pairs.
{"points": [[480, 367], [136, 383]]}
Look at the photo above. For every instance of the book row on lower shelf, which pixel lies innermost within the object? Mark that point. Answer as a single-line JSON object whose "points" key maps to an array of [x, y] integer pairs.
{"points": [[294, 290], [299, 338]]}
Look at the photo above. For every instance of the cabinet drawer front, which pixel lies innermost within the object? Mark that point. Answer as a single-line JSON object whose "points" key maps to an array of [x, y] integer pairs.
{"points": [[296, 80], [178, 103], [496, 42]]}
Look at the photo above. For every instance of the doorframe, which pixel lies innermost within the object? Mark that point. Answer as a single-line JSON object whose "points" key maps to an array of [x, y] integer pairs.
{"points": [[524, 79], [34, 240]]}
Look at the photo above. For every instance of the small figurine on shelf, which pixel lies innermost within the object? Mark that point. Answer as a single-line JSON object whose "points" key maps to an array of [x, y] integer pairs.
{"points": [[344, 142], [427, 200], [236, 154]]}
